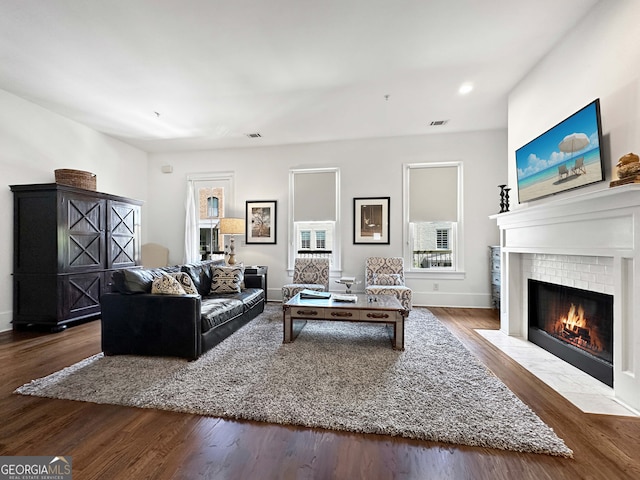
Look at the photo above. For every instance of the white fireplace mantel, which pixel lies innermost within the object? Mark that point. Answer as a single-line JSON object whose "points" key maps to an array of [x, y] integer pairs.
{"points": [[604, 223]]}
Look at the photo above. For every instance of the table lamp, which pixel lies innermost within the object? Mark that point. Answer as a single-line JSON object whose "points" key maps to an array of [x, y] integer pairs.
{"points": [[232, 226]]}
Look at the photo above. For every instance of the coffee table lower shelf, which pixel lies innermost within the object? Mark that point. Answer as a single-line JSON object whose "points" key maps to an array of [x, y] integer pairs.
{"points": [[367, 309]]}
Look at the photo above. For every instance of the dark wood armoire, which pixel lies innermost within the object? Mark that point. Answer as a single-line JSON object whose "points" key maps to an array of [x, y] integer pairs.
{"points": [[67, 243]]}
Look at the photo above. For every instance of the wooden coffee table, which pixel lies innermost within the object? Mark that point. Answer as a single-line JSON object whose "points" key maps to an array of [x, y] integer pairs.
{"points": [[368, 308]]}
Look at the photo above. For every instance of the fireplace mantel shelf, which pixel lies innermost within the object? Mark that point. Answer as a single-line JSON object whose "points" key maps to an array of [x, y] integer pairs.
{"points": [[603, 193], [589, 202]]}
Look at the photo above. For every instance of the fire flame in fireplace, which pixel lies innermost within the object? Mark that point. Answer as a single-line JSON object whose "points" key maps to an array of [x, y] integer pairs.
{"points": [[574, 328]]}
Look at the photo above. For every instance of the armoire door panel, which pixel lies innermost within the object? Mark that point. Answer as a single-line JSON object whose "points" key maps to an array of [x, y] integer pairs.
{"points": [[85, 251], [82, 246], [122, 238], [81, 294], [85, 215]]}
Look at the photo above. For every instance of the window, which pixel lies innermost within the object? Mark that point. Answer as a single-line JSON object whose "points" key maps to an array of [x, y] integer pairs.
{"points": [[210, 196], [312, 239], [212, 207], [442, 239], [314, 207], [432, 209], [305, 239]]}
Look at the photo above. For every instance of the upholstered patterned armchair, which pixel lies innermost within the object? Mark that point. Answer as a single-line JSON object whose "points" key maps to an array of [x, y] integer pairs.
{"points": [[309, 273], [385, 276]]}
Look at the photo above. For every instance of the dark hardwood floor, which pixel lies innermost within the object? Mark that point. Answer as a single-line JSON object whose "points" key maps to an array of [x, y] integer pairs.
{"points": [[112, 442]]}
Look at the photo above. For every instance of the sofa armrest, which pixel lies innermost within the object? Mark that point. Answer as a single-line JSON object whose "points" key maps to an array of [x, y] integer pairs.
{"points": [[145, 324]]}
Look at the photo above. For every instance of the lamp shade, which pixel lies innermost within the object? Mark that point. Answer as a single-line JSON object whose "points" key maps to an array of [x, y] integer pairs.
{"points": [[232, 226]]}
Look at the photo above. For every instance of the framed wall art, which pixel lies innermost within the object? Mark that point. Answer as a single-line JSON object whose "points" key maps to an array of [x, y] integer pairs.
{"points": [[371, 220], [261, 219]]}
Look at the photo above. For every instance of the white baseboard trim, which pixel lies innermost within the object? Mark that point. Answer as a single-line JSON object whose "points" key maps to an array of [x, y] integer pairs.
{"points": [[5, 321]]}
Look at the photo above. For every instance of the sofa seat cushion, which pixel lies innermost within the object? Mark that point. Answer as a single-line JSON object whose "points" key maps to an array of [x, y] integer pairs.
{"points": [[218, 310], [250, 297]]}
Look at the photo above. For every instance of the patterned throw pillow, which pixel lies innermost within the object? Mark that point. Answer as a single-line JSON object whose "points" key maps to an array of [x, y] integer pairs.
{"points": [[226, 279], [185, 282], [167, 285], [387, 279]]}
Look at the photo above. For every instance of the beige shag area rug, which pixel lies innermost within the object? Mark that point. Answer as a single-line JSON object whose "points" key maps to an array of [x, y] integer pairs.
{"points": [[339, 376]]}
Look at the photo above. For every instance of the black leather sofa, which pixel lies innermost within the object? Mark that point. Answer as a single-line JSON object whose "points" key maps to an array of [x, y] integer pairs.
{"points": [[137, 322]]}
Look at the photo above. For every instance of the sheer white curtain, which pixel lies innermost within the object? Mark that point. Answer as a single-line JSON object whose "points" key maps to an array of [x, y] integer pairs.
{"points": [[191, 240]]}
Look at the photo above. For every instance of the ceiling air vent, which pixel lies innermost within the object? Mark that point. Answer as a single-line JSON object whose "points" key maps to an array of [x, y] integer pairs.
{"points": [[253, 135], [438, 123]]}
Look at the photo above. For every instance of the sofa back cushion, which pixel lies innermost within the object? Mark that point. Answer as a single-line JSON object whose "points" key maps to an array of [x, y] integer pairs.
{"points": [[135, 280], [200, 273]]}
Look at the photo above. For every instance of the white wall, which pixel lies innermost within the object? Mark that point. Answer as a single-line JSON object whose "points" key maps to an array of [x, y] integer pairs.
{"points": [[34, 142], [600, 58], [369, 168]]}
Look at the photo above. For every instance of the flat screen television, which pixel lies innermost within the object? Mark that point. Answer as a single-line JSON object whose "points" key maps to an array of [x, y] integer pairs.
{"points": [[564, 157]]}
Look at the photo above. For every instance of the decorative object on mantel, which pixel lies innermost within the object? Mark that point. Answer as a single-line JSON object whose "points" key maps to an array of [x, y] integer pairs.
{"points": [[627, 170], [76, 178], [504, 198]]}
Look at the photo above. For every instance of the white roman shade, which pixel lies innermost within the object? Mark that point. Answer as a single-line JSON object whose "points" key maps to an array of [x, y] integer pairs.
{"points": [[314, 196], [433, 193]]}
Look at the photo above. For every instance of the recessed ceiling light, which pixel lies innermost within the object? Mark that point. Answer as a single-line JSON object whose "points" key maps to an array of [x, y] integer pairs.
{"points": [[465, 88]]}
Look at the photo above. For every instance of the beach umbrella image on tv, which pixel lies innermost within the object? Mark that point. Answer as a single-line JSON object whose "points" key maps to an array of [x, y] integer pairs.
{"points": [[573, 143]]}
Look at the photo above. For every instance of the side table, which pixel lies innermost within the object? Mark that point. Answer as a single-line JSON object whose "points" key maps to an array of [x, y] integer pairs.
{"points": [[348, 282], [258, 270]]}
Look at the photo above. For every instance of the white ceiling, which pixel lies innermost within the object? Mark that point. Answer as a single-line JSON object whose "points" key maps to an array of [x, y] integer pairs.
{"points": [[292, 70]]}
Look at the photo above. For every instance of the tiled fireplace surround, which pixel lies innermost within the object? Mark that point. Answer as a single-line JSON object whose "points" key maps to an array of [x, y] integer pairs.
{"points": [[589, 241]]}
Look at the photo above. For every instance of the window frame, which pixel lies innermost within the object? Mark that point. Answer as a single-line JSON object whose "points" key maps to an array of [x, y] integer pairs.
{"points": [[203, 180], [336, 250], [456, 234]]}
